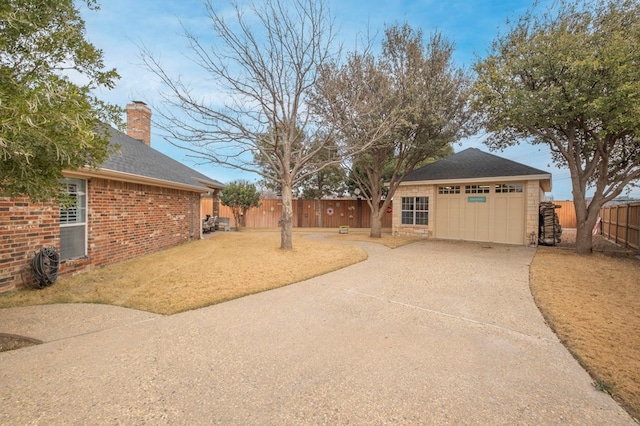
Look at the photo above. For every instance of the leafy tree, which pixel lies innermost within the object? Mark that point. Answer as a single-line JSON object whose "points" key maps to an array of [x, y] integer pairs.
{"points": [[265, 63], [328, 182], [422, 109], [240, 196], [569, 78], [48, 123], [387, 171]]}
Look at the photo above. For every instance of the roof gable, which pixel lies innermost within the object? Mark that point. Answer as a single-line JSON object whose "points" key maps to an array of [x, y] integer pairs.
{"points": [[136, 158], [471, 164]]}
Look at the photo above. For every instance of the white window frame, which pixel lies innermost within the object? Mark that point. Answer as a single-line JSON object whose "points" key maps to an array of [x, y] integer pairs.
{"points": [[477, 189], [74, 217], [449, 189], [509, 188], [409, 206]]}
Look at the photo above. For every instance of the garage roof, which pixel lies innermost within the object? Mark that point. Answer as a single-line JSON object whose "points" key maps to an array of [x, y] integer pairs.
{"points": [[472, 164]]}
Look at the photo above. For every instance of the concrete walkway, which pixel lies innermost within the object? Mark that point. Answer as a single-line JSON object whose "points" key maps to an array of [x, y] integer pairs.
{"points": [[431, 333]]}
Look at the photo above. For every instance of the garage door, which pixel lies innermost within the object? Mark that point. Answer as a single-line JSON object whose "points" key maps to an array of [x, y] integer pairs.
{"points": [[481, 212]]}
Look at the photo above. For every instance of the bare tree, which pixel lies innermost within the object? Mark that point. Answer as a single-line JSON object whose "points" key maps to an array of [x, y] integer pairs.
{"points": [[317, 182], [423, 109], [265, 64]]}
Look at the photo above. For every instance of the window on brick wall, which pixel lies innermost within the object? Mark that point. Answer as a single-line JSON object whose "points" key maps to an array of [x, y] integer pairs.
{"points": [[73, 220], [415, 210]]}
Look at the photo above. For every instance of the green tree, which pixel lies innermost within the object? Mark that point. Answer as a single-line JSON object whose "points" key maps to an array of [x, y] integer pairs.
{"points": [[240, 196], [328, 182], [47, 122], [421, 101], [360, 181], [570, 78]]}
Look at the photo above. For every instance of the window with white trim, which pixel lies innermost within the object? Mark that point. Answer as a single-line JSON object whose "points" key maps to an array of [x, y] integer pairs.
{"points": [[476, 189], [449, 189], [73, 220], [504, 188], [415, 210]]}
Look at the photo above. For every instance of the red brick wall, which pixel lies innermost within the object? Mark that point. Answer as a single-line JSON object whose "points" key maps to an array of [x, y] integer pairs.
{"points": [[128, 220], [24, 229], [139, 122], [124, 221]]}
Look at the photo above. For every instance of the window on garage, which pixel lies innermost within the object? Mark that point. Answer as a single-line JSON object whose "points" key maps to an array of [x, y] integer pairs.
{"points": [[450, 189], [415, 210], [505, 188], [476, 189], [73, 220]]}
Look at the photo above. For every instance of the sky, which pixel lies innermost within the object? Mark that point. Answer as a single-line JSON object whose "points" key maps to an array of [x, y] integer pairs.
{"points": [[121, 27]]}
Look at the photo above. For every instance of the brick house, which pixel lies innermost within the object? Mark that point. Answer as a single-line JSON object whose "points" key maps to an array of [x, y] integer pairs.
{"points": [[473, 196], [138, 202]]}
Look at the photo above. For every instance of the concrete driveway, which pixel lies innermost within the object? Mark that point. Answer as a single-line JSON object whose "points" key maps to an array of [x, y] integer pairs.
{"points": [[431, 333]]}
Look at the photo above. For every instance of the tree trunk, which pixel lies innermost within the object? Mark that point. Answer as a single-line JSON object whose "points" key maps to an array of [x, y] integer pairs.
{"points": [[286, 223], [243, 218], [584, 241], [377, 216], [376, 221], [236, 217], [586, 217]]}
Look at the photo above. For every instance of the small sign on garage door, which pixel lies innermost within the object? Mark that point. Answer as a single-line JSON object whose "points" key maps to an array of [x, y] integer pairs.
{"points": [[476, 199]]}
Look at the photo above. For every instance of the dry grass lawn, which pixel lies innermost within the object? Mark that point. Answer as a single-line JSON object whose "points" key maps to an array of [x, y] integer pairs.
{"points": [[593, 305], [391, 241], [226, 266]]}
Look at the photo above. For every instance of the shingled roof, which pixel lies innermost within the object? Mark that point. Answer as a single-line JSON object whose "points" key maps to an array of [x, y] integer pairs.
{"points": [[471, 164], [139, 160]]}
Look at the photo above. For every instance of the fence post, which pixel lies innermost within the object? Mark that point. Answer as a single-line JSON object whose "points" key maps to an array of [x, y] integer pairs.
{"points": [[615, 208], [639, 235], [637, 224], [626, 228]]}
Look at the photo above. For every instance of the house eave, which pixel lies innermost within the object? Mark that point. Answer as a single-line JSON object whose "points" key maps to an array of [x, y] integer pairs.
{"points": [[138, 179], [545, 180], [210, 185]]}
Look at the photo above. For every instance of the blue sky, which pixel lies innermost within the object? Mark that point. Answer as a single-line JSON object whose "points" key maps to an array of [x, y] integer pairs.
{"points": [[121, 26]]}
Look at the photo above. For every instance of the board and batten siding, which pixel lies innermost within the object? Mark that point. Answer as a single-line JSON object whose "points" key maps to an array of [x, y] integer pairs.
{"points": [[507, 217]]}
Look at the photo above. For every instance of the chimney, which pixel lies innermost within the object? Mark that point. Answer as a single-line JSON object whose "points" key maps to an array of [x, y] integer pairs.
{"points": [[139, 122]]}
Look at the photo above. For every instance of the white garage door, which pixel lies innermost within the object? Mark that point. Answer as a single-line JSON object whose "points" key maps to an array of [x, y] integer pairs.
{"points": [[481, 212]]}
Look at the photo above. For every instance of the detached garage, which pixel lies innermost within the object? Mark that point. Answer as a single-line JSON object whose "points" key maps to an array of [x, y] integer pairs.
{"points": [[473, 196]]}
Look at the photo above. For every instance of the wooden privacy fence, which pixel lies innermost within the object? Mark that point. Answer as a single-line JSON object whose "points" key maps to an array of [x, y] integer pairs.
{"points": [[306, 213], [621, 224], [566, 214]]}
